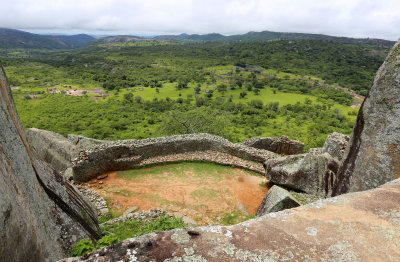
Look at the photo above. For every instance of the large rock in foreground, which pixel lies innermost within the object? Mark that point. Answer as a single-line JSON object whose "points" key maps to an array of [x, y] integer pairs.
{"points": [[276, 199], [280, 145], [310, 173], [373, 154], [41, 214], [354, 227]]}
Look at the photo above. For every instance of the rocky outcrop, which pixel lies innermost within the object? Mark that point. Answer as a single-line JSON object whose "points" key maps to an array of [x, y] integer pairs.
{"points": [[41, 214], [276, 199], [127, 154], [335, 145], [57, 150], [52, 148], [310, 173], [315, 150], [373, 154], [361, 226], [280, 145]]}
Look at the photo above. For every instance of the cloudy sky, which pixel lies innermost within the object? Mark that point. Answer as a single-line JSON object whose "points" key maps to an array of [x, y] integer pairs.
{"points": [[354, 18]]}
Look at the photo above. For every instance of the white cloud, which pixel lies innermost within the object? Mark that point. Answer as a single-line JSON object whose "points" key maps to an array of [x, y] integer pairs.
{"points": [[356, 18]]}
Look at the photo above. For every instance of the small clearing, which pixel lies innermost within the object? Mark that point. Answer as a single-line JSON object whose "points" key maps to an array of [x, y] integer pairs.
{"points": [[206, 192]]}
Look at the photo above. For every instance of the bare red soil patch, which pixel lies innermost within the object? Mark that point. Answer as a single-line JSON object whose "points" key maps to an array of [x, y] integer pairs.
{"points": [[202, 191]]}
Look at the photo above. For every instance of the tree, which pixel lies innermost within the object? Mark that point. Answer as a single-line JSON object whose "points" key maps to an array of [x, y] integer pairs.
{"points": [[222, 88], [128, 98], [210, 93], [138, 99], [198, 120], [256, 103]]}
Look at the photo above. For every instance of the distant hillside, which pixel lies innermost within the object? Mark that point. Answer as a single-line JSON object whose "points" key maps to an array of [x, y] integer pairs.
{"points": [[75, 40], [190, 38], [123, 38], [11, 38], [268, 35]]}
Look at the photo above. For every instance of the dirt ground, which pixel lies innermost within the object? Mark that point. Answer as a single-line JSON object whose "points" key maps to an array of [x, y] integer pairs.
{"points": [[200, 192]]}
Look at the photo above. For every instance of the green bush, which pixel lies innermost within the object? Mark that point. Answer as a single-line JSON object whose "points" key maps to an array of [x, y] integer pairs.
{"points": [[106, 241], [82, 247], [124, 230], [132, 228]]}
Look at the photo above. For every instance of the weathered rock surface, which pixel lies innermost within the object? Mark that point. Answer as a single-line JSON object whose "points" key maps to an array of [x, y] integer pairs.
{"points": [[41, 214], [280, 145], [82, 142], [276, 199], [361, 226], [373, 154], [51, 147], [310, 173], [316, 150], [335, 145]]}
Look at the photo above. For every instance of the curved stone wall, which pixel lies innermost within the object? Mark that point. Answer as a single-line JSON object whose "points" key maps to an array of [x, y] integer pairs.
{"points": [[127, 154]]}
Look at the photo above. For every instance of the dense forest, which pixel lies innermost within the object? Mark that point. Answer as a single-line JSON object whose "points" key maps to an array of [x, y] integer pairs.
{"points": [[300, 88]]}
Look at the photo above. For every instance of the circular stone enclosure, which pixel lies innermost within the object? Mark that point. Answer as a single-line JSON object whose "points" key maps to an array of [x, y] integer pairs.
{"points": [[206, 192]]}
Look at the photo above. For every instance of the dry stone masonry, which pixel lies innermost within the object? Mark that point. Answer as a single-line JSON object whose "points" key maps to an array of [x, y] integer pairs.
{"points": [[127, 154], [98, 201]]}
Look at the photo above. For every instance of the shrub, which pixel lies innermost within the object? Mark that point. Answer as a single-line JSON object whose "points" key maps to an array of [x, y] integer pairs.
{"points": [[106, 241], [82, 247], [132, 228]]}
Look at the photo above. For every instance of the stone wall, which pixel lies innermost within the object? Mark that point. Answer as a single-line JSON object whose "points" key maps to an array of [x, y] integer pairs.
{"points": [[127, 154]]}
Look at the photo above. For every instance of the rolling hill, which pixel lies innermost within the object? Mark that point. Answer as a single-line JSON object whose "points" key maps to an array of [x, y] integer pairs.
{"points": [[269, 35], [11, 38], [75, 40]]}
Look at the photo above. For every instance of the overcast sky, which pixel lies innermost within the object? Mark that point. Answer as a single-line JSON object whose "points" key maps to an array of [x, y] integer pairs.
{"points": [[353, 18]]}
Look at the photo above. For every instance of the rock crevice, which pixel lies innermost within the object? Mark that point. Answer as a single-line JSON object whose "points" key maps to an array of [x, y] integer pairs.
{"points": [[40, 213]]}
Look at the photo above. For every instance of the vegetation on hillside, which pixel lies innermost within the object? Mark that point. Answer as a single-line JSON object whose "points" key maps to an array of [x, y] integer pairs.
{"points": [[11, 39], [156, 88], [269, 36]]}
